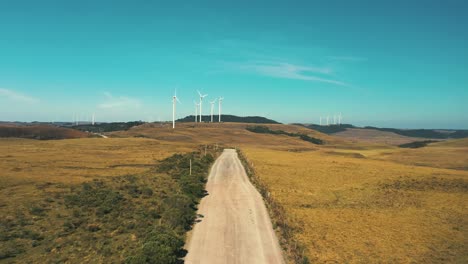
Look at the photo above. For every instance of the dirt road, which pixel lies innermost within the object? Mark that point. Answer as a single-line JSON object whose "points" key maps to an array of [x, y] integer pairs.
{"points": [[236, 227]]}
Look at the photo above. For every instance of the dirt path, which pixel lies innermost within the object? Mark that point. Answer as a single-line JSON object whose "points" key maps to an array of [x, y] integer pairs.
{"points": [[236, 227]]}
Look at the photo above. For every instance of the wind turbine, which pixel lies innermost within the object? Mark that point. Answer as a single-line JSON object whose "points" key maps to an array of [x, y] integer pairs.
{"points": [[339, 119], [327, 120], [174, 102], [94, 119], [196, 110], [212, 109], [201, 102], [220, 100], [334, 119]]}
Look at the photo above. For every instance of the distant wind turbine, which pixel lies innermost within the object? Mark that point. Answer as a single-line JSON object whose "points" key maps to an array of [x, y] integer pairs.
{"points": [[220, 101], [339, 119], [196, 110], [201, 103], [212, 109], [174, 102], [328, 117], [93, 119]]}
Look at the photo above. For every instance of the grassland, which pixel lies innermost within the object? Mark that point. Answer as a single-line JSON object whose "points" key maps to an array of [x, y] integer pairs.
{"points": [[97, 200], [351, 202], [356, 202], [354, 208]]}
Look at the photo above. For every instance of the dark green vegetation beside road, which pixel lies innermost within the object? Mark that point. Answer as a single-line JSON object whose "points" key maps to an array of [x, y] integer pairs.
{"points": [[126, 219], [266, 130], [108, 127], [231, 119]]}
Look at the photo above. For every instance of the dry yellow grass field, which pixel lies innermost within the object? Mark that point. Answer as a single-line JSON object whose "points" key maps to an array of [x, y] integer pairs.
{"points": [[353, 209], [356, 202], [447, 154], [27, 163], [36, 175], [353, 202]]}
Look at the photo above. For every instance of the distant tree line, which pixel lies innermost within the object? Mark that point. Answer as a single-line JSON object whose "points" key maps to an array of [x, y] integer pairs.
{"points": [[420, 133], [330, 129], [108, 127], [417, 144], [425, 133], [267, 130], [41, 132]]}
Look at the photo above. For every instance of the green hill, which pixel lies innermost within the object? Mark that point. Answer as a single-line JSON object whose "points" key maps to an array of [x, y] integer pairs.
{"points": [[231, 119]]}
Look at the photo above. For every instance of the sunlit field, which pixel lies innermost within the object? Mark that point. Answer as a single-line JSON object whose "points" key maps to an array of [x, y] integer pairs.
{"points": [[356, 202], [47, 212], [350, 208]]}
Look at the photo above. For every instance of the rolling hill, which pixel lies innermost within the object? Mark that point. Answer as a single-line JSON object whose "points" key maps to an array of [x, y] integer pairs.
{"points": [[42, 132], [231, 119]]}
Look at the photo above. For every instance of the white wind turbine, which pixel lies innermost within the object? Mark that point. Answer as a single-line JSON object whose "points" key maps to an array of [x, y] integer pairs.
{"points": [[328, 117], [196, 110], [212, 109], [174, 102], [220, 100], [339, 119], [201, 103]]}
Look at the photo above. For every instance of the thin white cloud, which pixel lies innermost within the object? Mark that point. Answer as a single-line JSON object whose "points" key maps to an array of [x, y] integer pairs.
{"points": [[16, 96], [291, 71], [112, 102], [347, 58]]}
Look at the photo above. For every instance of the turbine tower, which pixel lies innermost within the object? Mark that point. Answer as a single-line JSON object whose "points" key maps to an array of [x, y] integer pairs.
{"points": [[93, 119], [328, 117], [174, 102], [220, 100], [212, 109], [201, 102], [339, 119], [196, 110]]}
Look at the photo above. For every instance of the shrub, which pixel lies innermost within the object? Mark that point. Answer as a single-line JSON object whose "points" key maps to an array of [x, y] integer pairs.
{"points": [[35, 210]]}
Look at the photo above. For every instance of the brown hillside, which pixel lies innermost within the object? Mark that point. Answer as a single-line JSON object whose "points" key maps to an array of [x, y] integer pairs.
{"points": [[376, 136], [42, 132], [234, 134]]}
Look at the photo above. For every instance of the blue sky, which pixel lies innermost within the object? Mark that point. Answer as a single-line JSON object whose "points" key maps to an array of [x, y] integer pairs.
{"points": [[383, 63]]}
